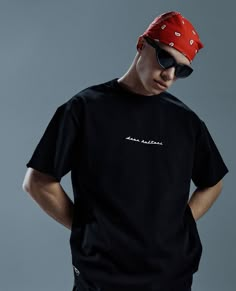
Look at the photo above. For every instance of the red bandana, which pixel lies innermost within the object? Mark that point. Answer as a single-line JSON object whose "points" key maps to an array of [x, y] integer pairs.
{"points": [[176, 31]]}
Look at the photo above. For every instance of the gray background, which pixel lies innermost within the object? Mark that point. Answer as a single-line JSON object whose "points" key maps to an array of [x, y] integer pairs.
{"points": [[50, 50]]}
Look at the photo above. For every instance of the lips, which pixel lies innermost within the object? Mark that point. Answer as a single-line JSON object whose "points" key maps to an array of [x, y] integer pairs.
{"points": [[161, 84]]}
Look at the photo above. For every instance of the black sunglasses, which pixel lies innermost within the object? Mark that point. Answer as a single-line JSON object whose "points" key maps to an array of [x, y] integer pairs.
{"points": [[166, 60]]}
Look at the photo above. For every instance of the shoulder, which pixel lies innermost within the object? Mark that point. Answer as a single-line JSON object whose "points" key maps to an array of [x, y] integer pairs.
{"points": [[179, 106], [76, 104], [175, 102], [91, 93]]}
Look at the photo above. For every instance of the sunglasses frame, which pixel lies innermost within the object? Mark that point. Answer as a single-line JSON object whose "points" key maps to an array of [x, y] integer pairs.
{"points": [[176, 65]]}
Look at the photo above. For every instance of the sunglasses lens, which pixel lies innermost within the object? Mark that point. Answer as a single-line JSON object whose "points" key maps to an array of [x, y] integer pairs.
{"points": [[183, 71], [165, 59]]}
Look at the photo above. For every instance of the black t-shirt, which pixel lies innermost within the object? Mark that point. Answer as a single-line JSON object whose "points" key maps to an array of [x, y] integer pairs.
{"points": [[132, 158]]}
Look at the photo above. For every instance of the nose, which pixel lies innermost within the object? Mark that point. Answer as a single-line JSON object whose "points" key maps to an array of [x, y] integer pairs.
{"points": [[169, 74]]}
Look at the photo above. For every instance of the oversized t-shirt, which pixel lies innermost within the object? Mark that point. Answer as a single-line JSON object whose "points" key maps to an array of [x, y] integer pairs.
{"points": [[132, 158]]}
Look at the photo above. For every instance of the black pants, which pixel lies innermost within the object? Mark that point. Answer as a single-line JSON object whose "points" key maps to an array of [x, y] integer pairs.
{"points": [[87, 288], [83, 285], [78, 289]]}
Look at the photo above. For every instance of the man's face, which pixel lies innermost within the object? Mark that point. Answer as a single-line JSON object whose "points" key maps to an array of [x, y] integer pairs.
{"points": [[154, 79]]}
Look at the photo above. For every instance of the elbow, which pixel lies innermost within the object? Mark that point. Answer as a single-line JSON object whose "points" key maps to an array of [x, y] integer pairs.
{"points": [[219, 185], [28, 189], [28, 184], [34, 179], [27, 180], [25, 187]]}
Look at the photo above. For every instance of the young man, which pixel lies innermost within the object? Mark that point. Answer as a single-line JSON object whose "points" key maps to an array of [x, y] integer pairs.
{"points": [[132, 149]]}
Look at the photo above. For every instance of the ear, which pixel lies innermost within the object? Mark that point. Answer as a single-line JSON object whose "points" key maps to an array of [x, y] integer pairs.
{"points": [[140, 44]]}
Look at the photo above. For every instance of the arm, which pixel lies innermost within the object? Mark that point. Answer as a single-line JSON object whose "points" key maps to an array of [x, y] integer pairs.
{"points": [[50, 196], [202, 199]]}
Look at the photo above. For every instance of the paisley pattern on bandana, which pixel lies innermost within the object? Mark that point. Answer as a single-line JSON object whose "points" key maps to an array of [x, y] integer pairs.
{"points": [[175, 30]]}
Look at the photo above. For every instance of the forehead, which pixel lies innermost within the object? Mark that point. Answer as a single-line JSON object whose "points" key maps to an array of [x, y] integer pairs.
{"points": [[179, 57]]}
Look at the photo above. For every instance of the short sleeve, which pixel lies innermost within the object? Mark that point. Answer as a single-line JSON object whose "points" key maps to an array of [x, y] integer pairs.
{"points": [[208, 167], [55, 153]]}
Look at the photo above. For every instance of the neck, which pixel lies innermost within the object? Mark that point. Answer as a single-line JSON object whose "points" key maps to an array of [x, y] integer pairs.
{"points": [[130, 80]]}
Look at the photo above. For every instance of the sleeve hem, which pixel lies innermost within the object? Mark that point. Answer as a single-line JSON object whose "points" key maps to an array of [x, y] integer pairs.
{"points": [[44, 171], [214, 181]]}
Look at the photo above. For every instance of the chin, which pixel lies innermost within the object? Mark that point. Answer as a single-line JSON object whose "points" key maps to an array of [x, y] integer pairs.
{"points": [[155, 91], [150, 89], [158, 91]]}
